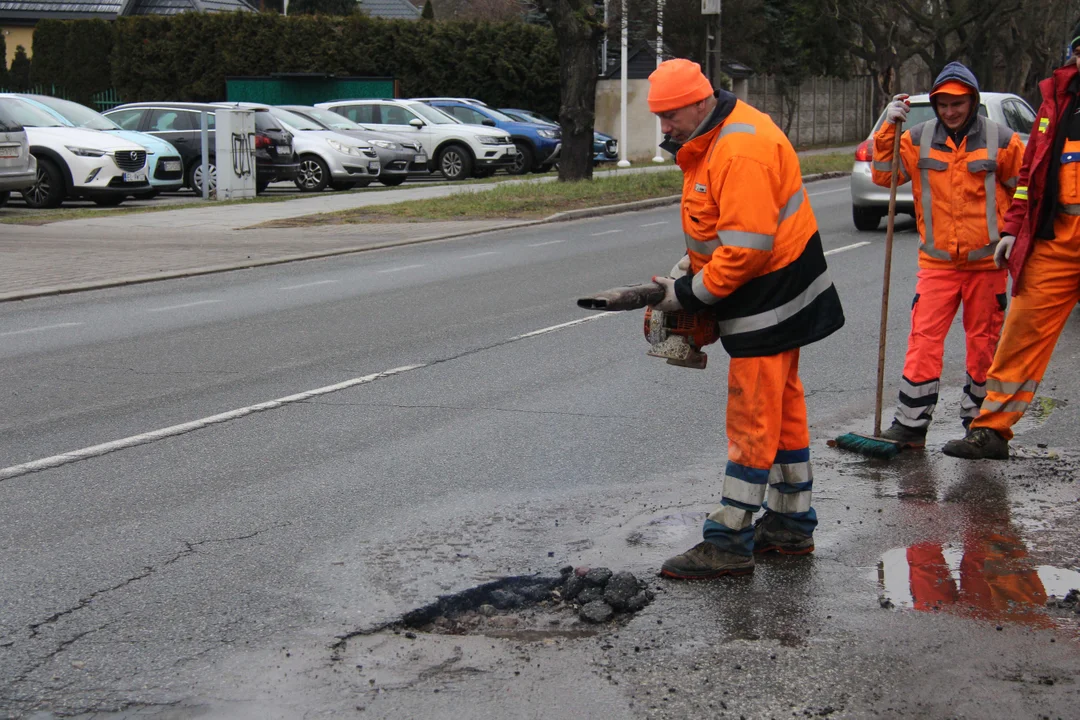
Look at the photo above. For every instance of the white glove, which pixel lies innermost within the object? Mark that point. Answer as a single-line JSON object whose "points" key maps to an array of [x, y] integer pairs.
{"points": [[681, 268], [670, 303], [1004, 250], [898, 109]]}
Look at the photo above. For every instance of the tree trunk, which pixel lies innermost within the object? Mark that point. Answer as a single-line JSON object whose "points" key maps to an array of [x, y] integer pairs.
{"points": [[578, 31]]}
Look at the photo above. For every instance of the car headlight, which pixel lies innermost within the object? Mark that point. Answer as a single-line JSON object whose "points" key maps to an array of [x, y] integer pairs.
{"points": [[491, 140], [549, 134], [384, 144], [343, 148], [85, 152]]}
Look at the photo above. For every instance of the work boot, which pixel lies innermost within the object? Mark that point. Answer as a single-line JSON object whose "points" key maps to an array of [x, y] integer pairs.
{"points": [[979, 443], [705, 561], [770, 535], [906, 436]]}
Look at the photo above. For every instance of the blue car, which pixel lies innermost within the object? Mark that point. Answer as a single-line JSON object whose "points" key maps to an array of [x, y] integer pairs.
{"points": [[605, 148], [163, 163], [538, 144]]}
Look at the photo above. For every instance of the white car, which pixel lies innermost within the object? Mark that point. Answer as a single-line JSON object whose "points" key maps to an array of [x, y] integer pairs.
{"points": [[77, 163], [870, 202], [328, 157], [457, 150]]}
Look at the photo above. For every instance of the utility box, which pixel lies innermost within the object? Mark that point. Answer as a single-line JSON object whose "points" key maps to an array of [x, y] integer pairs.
{"points": [[235, 156]]}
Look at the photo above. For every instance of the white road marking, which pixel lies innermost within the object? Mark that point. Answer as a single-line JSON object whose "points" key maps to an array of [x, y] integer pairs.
{"points": [[185, 305], [476, 255], [310, 284], [400, 269], [662, 222], [826, 192], [606, 232], [553, 328], [549, 242], [39, 329], [846, 247], [142, 439]]}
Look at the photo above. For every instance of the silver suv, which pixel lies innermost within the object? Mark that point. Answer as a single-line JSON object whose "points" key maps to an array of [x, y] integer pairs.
{"points": [[18, 168], [870, 202]]}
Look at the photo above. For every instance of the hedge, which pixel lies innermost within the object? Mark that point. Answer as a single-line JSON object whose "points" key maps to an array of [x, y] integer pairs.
{"points": [[188, 56]]}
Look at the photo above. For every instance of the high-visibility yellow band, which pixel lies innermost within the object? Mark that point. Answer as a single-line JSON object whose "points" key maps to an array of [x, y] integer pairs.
{"points": [[1044, 123], [1021, 193]]}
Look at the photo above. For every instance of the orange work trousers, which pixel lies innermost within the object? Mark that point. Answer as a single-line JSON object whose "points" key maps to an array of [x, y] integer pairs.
{"points": [[938, 295], [1048, 291], [768, 452]]}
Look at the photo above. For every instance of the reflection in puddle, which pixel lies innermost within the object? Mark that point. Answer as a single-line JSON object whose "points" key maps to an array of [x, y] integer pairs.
{"points": [[667, 530]]}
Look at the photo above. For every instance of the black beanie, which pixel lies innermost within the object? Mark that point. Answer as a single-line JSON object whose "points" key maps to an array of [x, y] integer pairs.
{"points": [[1074, 38]]}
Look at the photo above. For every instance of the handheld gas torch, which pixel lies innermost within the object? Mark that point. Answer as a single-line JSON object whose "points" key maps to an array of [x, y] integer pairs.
{"points": [[675, 336]]}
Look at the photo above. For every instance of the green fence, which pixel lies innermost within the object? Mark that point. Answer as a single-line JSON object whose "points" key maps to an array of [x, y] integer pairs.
{"points": [[102, 101], [305, 89]]}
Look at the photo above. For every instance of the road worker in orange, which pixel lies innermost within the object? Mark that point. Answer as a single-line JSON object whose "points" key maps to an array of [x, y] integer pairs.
{"points": [[963, 168], [1041, 244], [753, 261]]}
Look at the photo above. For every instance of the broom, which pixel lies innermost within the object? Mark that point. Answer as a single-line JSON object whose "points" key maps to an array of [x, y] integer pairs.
{"points": [[875, 445]]}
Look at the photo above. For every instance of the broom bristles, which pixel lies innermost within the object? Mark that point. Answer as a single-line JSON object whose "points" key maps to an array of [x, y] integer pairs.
{"points": [[870, 446]]}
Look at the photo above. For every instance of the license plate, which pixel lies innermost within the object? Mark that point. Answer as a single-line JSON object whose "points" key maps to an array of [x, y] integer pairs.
{"points": [[373, 167], [420, 159], [11, 151], [139, 176], [173, 166]]}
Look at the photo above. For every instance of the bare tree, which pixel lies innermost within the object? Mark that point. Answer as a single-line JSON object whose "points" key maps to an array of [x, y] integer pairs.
{"points": [[490, 10]]}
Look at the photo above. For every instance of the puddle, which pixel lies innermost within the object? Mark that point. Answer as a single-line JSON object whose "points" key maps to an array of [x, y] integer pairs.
{"points": [[1038, 413], [667, 530]]}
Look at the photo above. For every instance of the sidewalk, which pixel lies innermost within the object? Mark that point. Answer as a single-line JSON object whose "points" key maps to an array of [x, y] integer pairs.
{"points": [[99, 252]]}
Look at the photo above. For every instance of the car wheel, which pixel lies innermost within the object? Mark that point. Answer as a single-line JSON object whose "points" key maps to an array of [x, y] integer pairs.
{"points": [[4, 197], [455, 162], [342, 185], [260, 187], [523, 161], [313, 175], [865, 218], [150, 195], [109, 201], [49, 189], [393, 180], [195, 173], [547, 168]]}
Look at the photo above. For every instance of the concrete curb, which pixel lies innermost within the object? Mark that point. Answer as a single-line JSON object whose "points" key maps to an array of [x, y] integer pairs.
{"points": [[282, 259]]}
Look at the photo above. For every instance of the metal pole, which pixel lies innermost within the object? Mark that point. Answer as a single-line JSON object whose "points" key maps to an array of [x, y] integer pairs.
{"points": [[813, 110], [204, 131], [604, 45], [624, 139], [658, 158]]}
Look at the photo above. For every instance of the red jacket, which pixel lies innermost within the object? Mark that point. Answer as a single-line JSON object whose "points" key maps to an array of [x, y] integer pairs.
{"points": [[1022, 219]]}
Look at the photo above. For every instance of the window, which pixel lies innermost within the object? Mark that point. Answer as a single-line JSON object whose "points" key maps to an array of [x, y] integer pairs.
{"points": [[127, 119], [1026, 117], [395, 115], [359, 113], [465, 115], [173, 121]]}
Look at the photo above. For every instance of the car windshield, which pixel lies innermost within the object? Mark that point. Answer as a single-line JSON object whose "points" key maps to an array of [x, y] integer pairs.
{"points": [[293, 120], [920, 113], [27, 115], [500, 116], [433, 115], [332, 120], [76, 114]]}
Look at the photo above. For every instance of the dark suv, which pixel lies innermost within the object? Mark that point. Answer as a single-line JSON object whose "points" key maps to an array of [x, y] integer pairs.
{"points": [[180, 124]]}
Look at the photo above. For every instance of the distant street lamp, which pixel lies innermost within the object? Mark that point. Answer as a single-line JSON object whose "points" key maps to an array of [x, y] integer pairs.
{"points": [[658, 158], [623, 162]]}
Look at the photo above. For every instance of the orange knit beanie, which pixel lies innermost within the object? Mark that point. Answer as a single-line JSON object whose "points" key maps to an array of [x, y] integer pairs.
{"points": [[676, 84]]}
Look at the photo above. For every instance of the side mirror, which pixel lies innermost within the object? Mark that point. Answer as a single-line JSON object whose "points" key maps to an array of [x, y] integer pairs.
{"points": [[489, 123], [417, 123]]}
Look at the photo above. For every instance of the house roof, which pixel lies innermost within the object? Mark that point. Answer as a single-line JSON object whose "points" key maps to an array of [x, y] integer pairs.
{"points": [[110, 9], [391, 9]]}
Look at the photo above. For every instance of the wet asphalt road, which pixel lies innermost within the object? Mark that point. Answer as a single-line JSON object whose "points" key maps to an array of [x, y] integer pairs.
{"points": [[207, 573]]}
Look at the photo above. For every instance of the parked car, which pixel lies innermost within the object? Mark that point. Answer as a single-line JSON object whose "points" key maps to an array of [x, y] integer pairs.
{"points": [[538, 144], [456, 150], [394, 159], [328, 158], [870, 202], [180, 123], [605, 147], [76, 163], [164, 167], [18, 167]]}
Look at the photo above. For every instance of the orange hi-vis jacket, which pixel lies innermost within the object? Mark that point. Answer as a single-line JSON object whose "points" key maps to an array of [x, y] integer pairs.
{"points": [[967, 188], [755, 253]]}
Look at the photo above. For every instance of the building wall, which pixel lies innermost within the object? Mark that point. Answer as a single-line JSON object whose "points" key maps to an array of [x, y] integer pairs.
{"points": [[15, 36], [640, 144]]}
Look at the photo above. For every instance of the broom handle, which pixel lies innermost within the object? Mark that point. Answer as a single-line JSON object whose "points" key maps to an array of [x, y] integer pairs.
{"points": [[894, 181]]}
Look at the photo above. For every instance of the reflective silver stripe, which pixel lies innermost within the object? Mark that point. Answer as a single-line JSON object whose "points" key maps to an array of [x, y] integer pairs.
{"points": [[927, 245], [921, 390], [1011, 388], [931, 163], [743, 239], [790, 473], [1011, 182], [771, 318], [789, 503], [1069, 209], [917, 417], [792, 205], [737, 128], [976, 389], [881, 166], [983, 252], [990, 183], [701, 247], [1010, 406], [742, 491], [701, 292], [978, 166], [732, 517]]}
